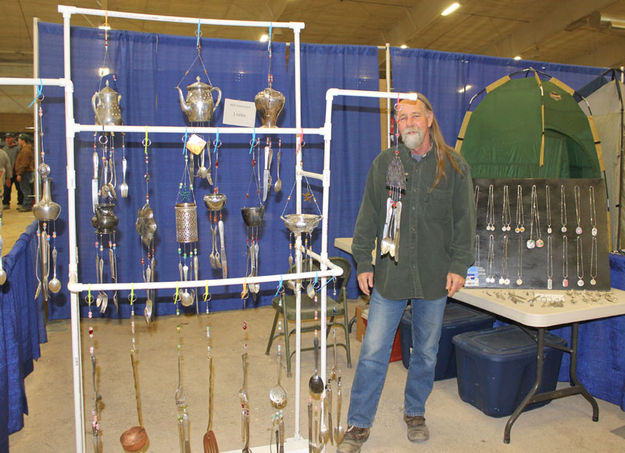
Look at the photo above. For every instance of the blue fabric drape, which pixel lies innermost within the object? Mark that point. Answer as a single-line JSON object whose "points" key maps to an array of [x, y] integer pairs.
{"points": [[355, 132], [450, 80], [601, 350], [21, 330], [147, 68]]}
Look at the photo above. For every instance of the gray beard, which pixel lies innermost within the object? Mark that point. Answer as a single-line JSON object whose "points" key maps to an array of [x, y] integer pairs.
{"points": [[413, 141]]}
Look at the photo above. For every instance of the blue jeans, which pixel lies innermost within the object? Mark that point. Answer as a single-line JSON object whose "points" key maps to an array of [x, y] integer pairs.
{"points": [[26, 185], [382, 323]]}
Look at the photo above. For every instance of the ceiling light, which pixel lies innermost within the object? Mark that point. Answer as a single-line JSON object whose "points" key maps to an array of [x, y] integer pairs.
{"points": [[518, 57], [450, 9], [404, 46], [264, 38], [465, 88]]}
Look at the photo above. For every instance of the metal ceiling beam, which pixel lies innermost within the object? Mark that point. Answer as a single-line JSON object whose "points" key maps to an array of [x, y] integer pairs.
{"points": [[529, 36], [414, 21]]}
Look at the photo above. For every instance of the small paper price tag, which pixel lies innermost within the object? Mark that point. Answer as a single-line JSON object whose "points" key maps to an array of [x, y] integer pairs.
{"points": [[196, 144], [239, 113]]}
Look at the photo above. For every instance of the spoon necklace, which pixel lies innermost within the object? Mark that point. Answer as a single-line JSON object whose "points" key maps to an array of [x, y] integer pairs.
{"points": [[506, 218], [578, 217], [579, 261], [593, 210], [520, 217], [519, 267], [505, 278], [490, 276], [565, 261], [490, 209], [549, 264], [563, 218], [548, 205], [593, 261]]}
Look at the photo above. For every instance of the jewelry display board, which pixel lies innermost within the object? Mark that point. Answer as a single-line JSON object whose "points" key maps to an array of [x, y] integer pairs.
{"points": [[541, 233]]}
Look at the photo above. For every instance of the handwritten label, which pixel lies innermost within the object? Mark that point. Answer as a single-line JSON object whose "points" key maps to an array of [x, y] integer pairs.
{"points": [[239, 113]]}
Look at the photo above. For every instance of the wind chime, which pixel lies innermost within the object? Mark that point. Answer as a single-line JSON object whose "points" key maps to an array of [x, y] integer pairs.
{"points": [[304, 222], [215, 202], [396, 184], [199, 107], [253, 218], [105, 104], [146, 227], [186, 230], [46, 212]]}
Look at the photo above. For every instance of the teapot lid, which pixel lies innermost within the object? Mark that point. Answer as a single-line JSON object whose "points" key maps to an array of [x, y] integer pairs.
{"points": [[198, 84], [107, 89]]}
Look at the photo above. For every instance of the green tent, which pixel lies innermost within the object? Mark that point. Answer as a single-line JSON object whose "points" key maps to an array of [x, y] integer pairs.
{"points": [[529, 128]]}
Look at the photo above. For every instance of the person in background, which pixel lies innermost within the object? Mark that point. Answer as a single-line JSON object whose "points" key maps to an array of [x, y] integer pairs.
{"points": [[12, 148], [25, 171], [437, 227], [6, 172]]}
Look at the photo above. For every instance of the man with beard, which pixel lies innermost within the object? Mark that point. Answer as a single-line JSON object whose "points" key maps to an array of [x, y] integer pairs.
{"points": [[437, 227]]}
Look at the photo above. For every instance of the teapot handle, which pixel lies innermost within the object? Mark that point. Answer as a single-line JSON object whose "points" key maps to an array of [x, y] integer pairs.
{"points": [[218, 97], [93, 98]]}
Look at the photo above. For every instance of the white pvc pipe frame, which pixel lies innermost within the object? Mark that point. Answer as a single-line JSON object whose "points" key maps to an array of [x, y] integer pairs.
{"points": [[72, 128]]}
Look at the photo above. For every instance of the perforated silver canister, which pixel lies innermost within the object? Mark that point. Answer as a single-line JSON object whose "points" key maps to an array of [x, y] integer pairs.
{"points": [[186, 222]]}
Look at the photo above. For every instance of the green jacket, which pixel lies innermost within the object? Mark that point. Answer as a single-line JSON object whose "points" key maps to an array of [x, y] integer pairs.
{"points": [[437, 227]]}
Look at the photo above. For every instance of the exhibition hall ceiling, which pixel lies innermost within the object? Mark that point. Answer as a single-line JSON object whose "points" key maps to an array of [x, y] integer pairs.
{"points": [[580, 32]]}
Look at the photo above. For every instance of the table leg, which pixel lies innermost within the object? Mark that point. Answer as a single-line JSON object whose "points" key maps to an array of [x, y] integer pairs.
{"points": [[576, 387]]}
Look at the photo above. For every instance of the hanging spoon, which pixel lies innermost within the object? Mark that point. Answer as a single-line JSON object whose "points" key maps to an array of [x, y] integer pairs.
{"points": [[277, 393], [123, 187], [277, 187], [186, 298], [315, 384], [147, 311], [54, 285]]}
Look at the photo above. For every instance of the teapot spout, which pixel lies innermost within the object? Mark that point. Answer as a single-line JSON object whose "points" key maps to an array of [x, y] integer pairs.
{"points": [[186, 108]]}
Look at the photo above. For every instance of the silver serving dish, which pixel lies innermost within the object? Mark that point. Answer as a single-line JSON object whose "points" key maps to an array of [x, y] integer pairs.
{"points": [[253, 216], [215, 201], [301, 223]]}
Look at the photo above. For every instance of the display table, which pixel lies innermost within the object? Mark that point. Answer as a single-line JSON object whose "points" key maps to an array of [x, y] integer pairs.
{"points": [[556, 308], [542, 309]]}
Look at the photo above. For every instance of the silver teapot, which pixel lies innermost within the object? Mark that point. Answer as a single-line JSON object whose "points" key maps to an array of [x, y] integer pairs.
{"points": [[199, 105], [107, 111], [269, 105]]}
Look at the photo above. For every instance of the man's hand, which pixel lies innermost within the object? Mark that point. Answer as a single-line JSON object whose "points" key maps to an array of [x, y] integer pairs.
{"points": [[365, 282], [454, 283]]}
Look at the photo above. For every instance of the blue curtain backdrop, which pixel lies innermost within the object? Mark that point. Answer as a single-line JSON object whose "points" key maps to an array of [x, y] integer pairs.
{"points": [[22, 329], [445, 78], [147, 67]]}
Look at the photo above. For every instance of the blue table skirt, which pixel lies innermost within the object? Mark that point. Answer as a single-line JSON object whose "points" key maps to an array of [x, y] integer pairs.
{"points": [[601, 349]]}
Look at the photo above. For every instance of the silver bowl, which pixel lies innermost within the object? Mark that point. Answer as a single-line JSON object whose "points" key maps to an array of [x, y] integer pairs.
{"points": [[253, 216], [215, 201], [301, 223]]}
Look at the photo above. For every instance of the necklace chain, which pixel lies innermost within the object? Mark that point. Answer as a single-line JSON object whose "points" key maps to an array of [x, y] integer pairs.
{"points": [[593, 261], [565, 261], [579, 261], [506, 218], [490, 226], [578, 216], [593, 210], [548, 201], [563, 219], [520, 217]]}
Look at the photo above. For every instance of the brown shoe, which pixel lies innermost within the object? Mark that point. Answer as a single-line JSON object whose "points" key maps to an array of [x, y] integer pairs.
{"points": [[353, 440], [417, 430]]}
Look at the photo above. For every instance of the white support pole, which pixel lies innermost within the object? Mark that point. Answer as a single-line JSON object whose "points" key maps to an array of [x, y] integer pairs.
{"points": [[194, 130], [37, 105], [388, 100], [79, 418]]}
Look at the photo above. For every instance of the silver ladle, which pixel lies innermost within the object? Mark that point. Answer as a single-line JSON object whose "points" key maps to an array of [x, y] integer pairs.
{"points": [[54, 285], [277, 393]]}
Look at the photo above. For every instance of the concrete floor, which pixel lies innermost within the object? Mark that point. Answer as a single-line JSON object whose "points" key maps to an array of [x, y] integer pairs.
{"points": [[562, 426], [13, 223]]}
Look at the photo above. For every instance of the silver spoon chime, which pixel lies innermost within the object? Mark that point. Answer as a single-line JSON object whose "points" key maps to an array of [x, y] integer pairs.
{"points": [[253, 218], [396, 184], [46, 212], [146, 228], [215, 202], [186, 231]]}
